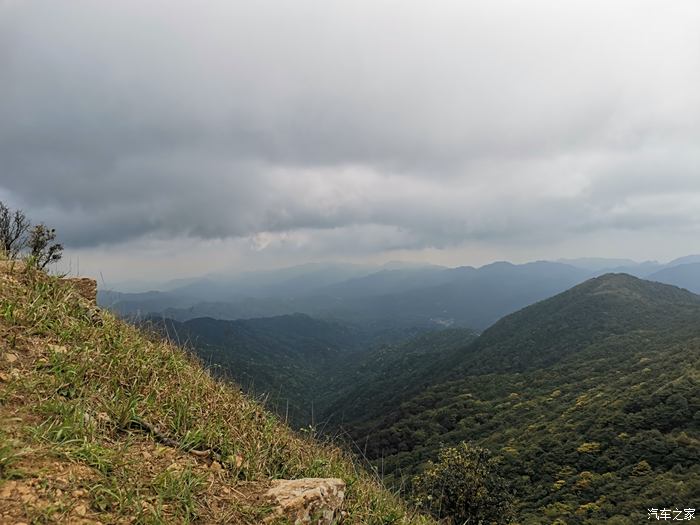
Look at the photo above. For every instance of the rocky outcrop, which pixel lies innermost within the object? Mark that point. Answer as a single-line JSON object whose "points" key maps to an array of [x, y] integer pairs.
{"points": [[313, 501]]}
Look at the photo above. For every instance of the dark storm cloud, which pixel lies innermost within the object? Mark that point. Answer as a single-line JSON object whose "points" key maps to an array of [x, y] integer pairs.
{"points": [[406, 124]]}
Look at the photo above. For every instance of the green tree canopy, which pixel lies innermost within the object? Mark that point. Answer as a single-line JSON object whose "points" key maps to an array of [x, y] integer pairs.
{"points": [[465, 487]]}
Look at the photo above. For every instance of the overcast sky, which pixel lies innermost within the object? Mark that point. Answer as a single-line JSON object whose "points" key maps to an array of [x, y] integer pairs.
{"points": [[172, 138]]}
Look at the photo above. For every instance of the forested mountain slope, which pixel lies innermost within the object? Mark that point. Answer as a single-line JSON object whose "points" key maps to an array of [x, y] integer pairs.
{"points": [[290, 360], [592, 398], [381, 379], [599, 309], [302, 366]]}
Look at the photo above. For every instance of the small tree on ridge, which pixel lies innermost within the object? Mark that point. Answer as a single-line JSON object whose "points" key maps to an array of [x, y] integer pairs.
{"points": [[14, 227], [42, 249], [17, 236]]}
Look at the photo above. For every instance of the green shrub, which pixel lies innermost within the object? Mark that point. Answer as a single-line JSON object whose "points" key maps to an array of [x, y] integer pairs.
{"points": [[464, 486]]}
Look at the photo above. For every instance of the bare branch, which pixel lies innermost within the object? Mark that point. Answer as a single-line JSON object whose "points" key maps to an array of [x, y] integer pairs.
{"points": [[14, 227]]}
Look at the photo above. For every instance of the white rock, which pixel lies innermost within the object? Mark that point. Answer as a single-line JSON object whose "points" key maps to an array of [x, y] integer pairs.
{"points": [[313, 501]]}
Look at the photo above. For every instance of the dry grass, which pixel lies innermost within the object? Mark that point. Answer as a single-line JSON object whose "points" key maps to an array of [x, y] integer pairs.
{"points": [[79, 390]]}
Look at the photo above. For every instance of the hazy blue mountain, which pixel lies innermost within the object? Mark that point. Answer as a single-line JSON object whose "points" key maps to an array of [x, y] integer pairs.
{"points": [[476, 298], [248, 308], [688, 259], [286, 282], [596, 264], [642, 269], [683, 275], [251, 294], [405, 297], [140, 303], [389, 281], [600, 265]]}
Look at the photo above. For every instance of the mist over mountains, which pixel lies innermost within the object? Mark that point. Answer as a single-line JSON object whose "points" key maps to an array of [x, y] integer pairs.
{"points": [[404, 294]]}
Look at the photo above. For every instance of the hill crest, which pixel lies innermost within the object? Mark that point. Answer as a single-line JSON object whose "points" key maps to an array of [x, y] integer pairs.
{"points": [[602, 307], [591, 398]]}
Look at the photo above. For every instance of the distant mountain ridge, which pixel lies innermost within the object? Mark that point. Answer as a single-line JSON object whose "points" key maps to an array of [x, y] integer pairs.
{"points": [[686, 275], [431, 296], [402, 294]]}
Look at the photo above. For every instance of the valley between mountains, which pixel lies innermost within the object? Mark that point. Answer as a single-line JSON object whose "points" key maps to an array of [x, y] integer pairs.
{"points": [[588, 399]]}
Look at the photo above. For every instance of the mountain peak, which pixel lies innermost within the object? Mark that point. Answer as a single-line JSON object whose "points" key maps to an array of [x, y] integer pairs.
{"points": [[548, 331], [630, 288]]}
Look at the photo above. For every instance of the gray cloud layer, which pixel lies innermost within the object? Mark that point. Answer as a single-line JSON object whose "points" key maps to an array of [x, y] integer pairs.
{"points": [[402, 124]]}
